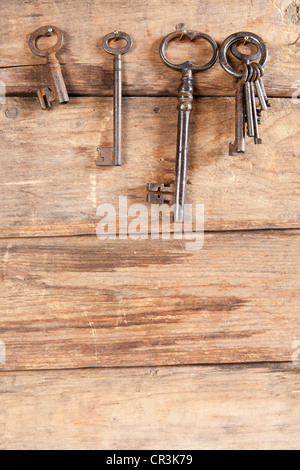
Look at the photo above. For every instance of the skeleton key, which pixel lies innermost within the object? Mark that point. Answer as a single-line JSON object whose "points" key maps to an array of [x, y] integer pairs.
{"points": [[57, 92], [112, 156], [185, 99], [238, 146], [260, 86], [249, 103], [257, 139]]}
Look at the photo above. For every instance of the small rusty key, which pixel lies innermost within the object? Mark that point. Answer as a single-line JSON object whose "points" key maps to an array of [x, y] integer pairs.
{"points": [[57, 91], [112, 156], [185, 99], [238, 146]]}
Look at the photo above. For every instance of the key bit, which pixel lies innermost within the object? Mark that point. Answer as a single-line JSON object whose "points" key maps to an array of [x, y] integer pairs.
{"points": [[113, 156], [161, 198], [258, 87], [256, 72], [57, 91], [106, 156], [238, 146], [46, 98]]}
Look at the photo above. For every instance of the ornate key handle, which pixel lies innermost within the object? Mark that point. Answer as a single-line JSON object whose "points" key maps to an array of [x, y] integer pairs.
{"points": [[191, 35], [232, 43], [112, 156], [185, 99], [57, 92]]}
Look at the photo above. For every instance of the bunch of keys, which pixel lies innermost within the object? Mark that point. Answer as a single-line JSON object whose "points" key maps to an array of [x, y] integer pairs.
{"points": [[250, 82], [57, 91], [162, 193]]}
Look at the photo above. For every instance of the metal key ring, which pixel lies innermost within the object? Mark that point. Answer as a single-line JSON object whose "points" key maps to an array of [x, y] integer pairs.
{"points": [[191, 35], [237, 38], [245, 74], [255, 73], [257, 70], [244, 57], [114, 36], [46, 31], [260, 69]]}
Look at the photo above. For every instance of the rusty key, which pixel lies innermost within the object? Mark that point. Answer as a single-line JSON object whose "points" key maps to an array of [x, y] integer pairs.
{"points": [[57, 90], [185, 100], [112, 156]]}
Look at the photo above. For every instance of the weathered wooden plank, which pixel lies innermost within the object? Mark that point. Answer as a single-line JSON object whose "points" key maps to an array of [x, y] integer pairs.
{"points": [[50, 184], [88, 68], [229, 407], [84, 302]]}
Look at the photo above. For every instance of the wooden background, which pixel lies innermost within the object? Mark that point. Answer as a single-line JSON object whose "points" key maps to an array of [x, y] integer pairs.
{"points": [[124, 344]]}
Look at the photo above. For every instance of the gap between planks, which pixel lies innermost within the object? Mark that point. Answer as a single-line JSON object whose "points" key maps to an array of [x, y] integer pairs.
{"points": [[293, 230], [223, 366]]}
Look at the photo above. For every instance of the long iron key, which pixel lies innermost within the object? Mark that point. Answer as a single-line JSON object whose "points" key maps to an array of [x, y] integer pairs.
{"points": [[238, 146], [185, 99], [260, 87], [57, 91], [257, 139], [112, 156]]}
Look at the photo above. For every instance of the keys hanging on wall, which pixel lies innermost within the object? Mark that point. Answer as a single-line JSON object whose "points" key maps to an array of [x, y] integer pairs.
{"points": [[250, 83]]}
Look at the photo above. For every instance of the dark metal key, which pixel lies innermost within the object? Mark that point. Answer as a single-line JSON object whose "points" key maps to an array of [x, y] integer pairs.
{"points": [[57, 91], [238, 146], [112, 156], [185, 99]]}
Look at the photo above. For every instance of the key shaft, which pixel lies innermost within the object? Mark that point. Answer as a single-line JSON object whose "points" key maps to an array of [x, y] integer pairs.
{"points": [[257, 138], [249, 109], [118, 110], [239, 144], [260, 95], [185, 100], [58, 85]]}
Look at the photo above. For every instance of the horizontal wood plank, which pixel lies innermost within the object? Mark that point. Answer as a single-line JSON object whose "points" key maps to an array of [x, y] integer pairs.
{"points": [[229, 407], [88, 69], [85, 302], [50, 185]]}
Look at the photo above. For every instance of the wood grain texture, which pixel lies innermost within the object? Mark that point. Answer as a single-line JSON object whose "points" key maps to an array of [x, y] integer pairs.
{"points": [[217, 408], [88, 69], [50, 184], [84, 302]]}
